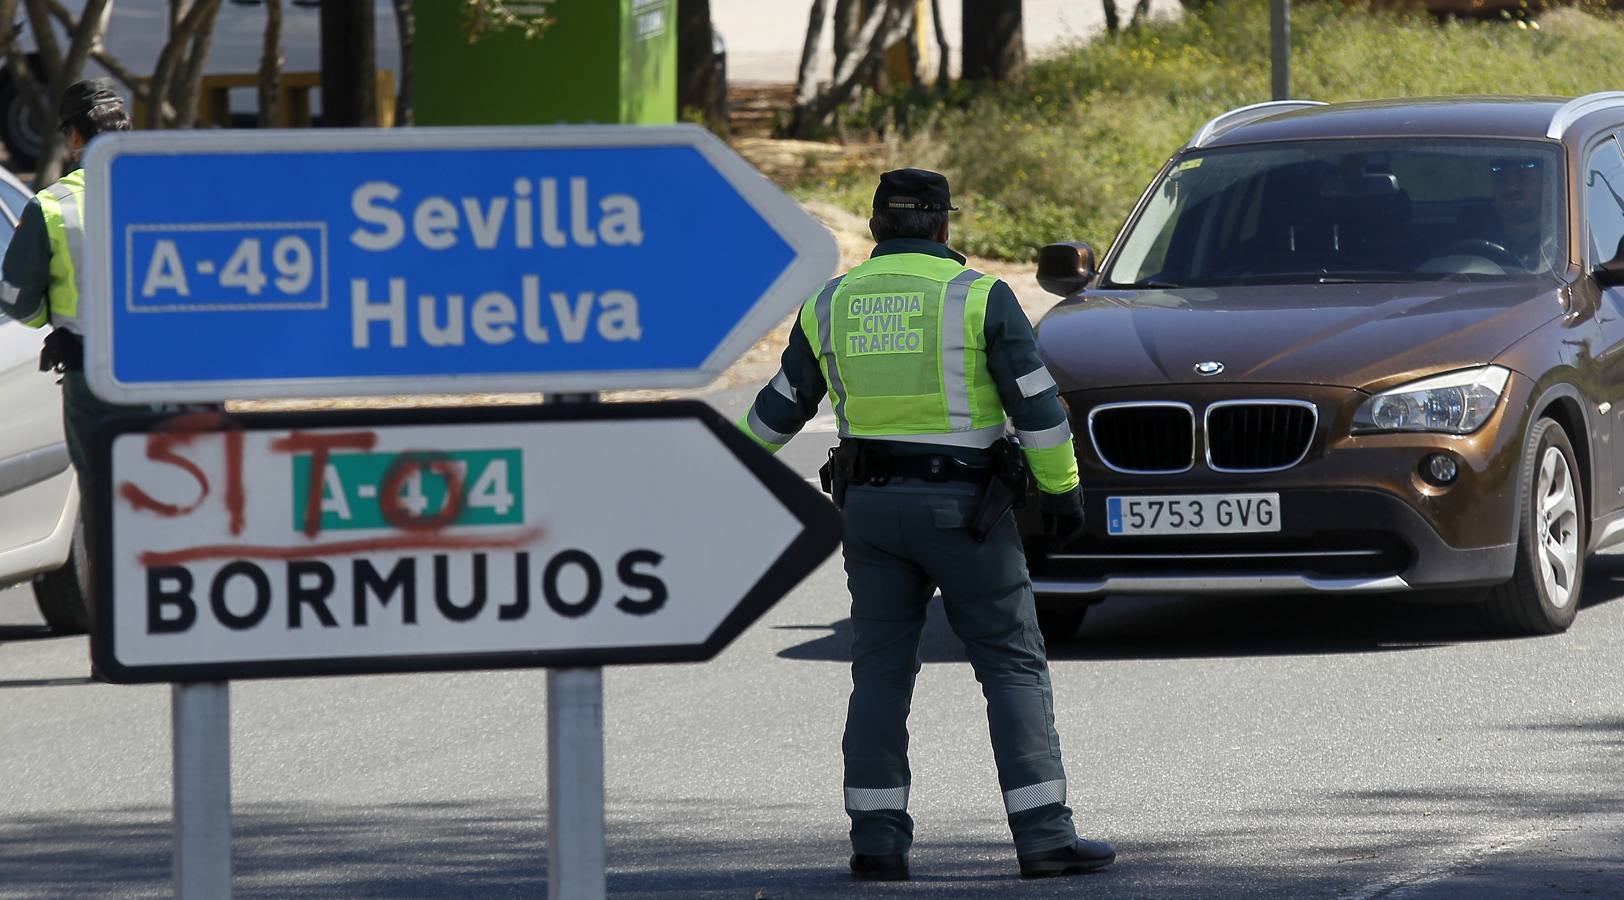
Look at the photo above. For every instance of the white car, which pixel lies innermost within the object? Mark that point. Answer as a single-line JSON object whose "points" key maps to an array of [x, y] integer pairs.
{"points": [[40, 538]]}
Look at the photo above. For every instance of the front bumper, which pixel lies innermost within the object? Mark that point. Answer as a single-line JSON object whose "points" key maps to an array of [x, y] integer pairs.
{"points": [[1335, 542]]}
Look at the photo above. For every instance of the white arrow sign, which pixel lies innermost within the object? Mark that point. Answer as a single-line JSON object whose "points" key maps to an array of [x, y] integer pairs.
{"points": [[308, 544]]}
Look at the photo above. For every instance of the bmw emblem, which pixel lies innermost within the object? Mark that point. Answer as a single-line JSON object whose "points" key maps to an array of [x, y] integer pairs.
{"points": [[1210, 367]]}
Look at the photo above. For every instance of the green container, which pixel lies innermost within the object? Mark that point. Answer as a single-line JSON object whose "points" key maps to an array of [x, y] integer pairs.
{"points": [[600, 61]]}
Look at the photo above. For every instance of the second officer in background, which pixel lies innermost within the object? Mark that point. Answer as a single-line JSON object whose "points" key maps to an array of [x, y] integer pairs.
{"points": [[925, 361]]}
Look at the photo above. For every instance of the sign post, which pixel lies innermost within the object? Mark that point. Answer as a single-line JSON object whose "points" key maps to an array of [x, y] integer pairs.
{"points": [[575, 833], [200, 715]]}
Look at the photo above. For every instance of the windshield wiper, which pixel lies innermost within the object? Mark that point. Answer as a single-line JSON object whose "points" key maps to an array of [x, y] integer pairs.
{"points": [[1355, 279], [1149, 283]]}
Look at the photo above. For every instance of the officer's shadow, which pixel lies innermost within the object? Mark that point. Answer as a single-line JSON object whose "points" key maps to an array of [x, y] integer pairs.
{"points": [[937, 644]]}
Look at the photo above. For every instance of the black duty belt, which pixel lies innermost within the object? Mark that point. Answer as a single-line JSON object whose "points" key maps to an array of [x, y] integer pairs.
{"points": [[926, 468]]}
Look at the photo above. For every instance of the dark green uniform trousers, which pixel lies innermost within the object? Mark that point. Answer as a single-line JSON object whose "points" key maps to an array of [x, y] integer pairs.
{"points": [[902, 541], [81, 411]]}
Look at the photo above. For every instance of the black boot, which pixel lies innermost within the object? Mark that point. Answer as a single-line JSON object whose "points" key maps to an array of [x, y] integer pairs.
{"points": [[1083, 855], [880, 867]]}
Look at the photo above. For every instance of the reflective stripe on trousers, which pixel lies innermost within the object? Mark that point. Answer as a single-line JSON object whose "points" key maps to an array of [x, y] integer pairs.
{"points": [[1035, 795], [870, 799]]}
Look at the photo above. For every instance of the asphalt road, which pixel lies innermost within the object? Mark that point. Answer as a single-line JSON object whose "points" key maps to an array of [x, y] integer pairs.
{"points": [[1293, 747]]}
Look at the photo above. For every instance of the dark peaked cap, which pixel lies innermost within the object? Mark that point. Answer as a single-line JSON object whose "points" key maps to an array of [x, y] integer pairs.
{"points": [[83, 96], [913, 189]]}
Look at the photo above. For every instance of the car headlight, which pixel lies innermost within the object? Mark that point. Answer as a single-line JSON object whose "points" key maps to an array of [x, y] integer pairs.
{"points": [[1457, 403]]}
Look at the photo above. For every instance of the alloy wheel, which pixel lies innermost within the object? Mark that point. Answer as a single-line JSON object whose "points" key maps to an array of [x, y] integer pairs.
{"points": [[1557, 527]]}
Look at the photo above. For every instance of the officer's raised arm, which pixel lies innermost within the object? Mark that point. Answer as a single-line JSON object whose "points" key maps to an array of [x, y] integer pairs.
{"points": [[791, 399]]}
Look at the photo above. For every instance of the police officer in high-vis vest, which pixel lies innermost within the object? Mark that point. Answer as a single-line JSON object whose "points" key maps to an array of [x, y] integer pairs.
{"points": [[925, 362], [43, 279]]}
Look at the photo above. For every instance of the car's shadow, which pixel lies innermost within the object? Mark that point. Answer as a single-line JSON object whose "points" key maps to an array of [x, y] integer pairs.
{"points": [[10, 633], [1187, 627]]}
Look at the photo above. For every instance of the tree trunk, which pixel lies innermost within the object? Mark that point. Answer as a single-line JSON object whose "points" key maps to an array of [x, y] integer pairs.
{"points": [[700, 86], [50, 51], [1141, 14], [270, 65], [1113, 21], [406, 32], [848, 26], [944, 53], [349, 66], [173, 63], [806, 77], [916, 62], [183, 92], [993, 46], [884, 27]]}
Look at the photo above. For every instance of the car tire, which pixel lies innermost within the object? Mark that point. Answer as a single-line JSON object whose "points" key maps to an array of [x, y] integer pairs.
{"points": [[18, 130], [1060, 623], [1542, 596], [60, 594]]}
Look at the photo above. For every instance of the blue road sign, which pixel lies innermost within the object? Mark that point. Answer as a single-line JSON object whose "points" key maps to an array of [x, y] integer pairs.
{"points": [[337, 263]]}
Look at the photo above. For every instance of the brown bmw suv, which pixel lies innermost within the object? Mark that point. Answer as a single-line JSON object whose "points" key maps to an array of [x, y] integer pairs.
{"points": [[1369, 347]]}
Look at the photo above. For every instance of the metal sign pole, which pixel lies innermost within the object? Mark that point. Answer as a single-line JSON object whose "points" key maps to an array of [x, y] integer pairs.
{"points": [[575, 832], [576, 863], [201, 717]]}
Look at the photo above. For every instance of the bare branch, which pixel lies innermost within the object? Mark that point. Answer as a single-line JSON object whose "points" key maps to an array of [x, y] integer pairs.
{"points": [[84, 38], [169, 61], [120, 72], [270, 64], [50, 52], [184, 91]]}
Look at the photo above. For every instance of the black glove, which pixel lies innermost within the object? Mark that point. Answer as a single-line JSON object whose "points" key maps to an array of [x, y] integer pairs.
{"points": [[1062, 517], [1062, 529]]}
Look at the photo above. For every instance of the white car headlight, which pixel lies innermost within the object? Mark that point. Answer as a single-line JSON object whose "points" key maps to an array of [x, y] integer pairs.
{"points": [[1456, 403]]}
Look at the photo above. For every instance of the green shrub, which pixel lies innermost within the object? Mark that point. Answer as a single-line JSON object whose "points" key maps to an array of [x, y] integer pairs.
{"points": [[1065, 154]]}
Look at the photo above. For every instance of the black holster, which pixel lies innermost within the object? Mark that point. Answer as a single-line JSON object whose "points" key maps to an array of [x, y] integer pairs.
{"points": [[62, 352], [1005, 490], [854, 462], [833, 478]]}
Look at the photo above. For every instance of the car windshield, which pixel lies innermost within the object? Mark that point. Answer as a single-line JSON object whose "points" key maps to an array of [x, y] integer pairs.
{"points": [[1350, 211]]}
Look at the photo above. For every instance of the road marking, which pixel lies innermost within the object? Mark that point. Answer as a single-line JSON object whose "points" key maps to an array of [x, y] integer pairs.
{"points": [[1405, 885]]}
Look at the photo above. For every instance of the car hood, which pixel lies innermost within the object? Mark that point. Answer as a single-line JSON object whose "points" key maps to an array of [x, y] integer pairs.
{"points": [[1348, 335]]}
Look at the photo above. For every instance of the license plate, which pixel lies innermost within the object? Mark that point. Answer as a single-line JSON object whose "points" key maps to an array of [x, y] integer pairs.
{"points": [[1193, 514]]}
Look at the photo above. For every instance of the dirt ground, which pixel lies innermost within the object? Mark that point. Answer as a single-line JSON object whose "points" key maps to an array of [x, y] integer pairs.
{"points": [[756, 366]]}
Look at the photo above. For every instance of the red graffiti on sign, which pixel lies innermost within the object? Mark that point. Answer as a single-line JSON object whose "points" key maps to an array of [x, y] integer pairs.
{"points": [[166, 441]]}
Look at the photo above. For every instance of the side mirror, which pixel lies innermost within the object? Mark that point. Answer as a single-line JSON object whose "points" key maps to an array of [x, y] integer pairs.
{"points": [[1065, 268], [1609, 273]]}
